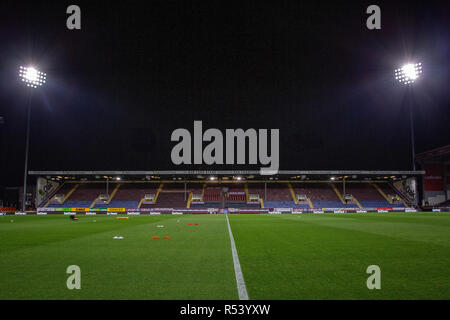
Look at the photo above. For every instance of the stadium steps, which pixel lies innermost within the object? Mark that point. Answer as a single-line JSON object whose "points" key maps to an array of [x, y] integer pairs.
{"points": [[292, 193], [188, 204], [357, 202], [399, 194], [161, 186], [404, 202], [66, 187], [203, 191], [48, 202], [247, 197], [53, 195], [376, 186], [113, 193], [75, 187], [337, 193], [93, 203], [111, 196], [140, 203], [310, 203], [261, 201], [169, 200]]}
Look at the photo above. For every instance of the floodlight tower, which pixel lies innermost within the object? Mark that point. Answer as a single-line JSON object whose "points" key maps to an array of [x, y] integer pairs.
{"points": [[407, 75], [33, 79]]}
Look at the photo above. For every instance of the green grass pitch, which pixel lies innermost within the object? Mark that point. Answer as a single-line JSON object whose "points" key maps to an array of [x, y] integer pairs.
{"points": [[288, 256]]}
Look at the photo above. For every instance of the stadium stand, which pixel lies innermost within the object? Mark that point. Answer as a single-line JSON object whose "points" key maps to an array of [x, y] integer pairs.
{"points": [[256, 189], [307, 195], [367, 195], [236, 192], [278, 192], [387, 189], [84, 195], [129, 195], [321, 195], [168, 200], [212, 193], [64, 191], [206, 205], [169, 195]]}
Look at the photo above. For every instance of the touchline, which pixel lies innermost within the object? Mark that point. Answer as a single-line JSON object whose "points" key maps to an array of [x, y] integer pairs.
{"points": [[213, 153]]}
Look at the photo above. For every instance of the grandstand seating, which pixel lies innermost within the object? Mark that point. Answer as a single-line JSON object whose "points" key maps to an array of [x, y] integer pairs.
{"points": [[65, 189], [243, 205], [387, 189], [195, 188], [444, 204], [285, 204], [275, 191], [367, 195], [206, 205], [129, 195], [278, 192], [71, 204], [236, 192], [84, 195], [321, 195], [135, 191], [212, 193], [279, 195], [90, 191], [256, 188], [168, 200], [117, 204]]}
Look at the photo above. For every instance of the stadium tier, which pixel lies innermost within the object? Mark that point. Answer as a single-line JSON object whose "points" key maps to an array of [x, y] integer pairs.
{"points": [[307, 195]]}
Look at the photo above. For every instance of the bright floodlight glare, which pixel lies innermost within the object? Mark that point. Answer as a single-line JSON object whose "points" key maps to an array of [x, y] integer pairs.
{"points": [[408, 73], [32, 77]]}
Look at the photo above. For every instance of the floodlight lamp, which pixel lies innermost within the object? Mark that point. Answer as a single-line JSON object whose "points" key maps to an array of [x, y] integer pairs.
{"points": [[32, 77], [408, 73]]}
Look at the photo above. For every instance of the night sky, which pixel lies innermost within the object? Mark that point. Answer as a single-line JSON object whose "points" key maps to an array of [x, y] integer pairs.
{"points": [[136, 71]]}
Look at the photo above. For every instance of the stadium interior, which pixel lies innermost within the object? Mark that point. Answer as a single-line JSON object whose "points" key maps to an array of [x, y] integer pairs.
{"points": [[96, 191]]}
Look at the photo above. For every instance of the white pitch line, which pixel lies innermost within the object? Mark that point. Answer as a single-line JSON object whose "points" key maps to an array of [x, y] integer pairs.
{"points": [[242, 289]]}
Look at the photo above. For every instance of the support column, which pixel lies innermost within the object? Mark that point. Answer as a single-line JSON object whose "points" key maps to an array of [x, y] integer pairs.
{"points": [[265, 191], [344, 188], [445, 181]]}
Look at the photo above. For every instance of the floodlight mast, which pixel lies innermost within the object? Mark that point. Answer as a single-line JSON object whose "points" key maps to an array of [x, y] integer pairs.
{"points": [[407, 75], [33, 79]]}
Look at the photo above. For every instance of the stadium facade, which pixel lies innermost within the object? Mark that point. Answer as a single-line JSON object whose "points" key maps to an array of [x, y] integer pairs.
{"points": [[436, 180]]}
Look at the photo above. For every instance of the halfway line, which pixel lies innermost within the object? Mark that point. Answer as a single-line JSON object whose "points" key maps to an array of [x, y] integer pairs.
{"points": [[242, 290]]}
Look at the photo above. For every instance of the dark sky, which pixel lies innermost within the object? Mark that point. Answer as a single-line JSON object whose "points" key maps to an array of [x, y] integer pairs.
{"points": [[136, 71]]}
